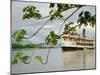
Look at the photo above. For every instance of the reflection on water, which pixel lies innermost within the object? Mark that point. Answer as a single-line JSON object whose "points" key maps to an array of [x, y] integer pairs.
{"points": [[58, 60], [79, 59]]}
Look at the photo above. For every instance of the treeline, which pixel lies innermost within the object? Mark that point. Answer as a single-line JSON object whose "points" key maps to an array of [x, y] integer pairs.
{"points": [[15, 45]]}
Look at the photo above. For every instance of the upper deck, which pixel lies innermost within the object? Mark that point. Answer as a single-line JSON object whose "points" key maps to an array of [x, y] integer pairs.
{"points": [[75, 40]]}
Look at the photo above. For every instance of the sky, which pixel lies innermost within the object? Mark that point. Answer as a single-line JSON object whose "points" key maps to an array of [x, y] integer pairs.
{"points": [[31, 25]]}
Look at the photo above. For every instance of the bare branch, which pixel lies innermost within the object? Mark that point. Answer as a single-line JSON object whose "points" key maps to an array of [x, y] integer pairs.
{"points": [[37, 30], [47, 56]]}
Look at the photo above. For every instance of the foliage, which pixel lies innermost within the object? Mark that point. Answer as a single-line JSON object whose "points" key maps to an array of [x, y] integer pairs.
{"points": [[31, 12], [55, 14], [93, 21], [86, 18], [69, 28], [19, 55], [15, 61], [51, 38], [25, 59], [64, 7], [39, 58], [60, 8], [16, 57], [18, 35]]}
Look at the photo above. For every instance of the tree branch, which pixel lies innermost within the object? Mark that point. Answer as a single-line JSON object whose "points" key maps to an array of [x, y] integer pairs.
{"points": [[67, 19], [47, 56], [51, 15], [44, 17], [71, 29], [48, 21], [37, 30]]}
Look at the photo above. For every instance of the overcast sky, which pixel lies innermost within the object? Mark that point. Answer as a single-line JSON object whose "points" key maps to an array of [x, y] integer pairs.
{"points": [[32, 25]]}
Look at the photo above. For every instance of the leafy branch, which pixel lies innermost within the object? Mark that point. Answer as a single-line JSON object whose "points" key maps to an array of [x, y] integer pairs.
{"points": [[51, 39], [67, 19], [32, 12], [19, 55]]}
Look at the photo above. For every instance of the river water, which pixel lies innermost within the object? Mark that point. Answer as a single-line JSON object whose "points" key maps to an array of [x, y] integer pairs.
{"points": [[58, 60]]}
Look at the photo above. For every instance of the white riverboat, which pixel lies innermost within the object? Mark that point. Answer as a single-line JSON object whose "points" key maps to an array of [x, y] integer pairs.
{"points": [[73, 41]]}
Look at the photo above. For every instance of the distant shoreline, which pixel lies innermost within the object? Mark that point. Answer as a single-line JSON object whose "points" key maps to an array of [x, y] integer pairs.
{"points": [[26, 46]]}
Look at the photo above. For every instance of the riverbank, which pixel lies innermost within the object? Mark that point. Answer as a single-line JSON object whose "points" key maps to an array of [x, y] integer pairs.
{"points": [[25, 46]]}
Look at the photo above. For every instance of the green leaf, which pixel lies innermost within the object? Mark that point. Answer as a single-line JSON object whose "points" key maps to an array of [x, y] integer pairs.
{"points": [[68, 26], [51, 5], [27, 8], [18, 54], [55, 14], [92, 21], [15, 61], [86, 18], [31, 12], [87, 14], [51, 11], [59, 7], [18, 35], [25, 59], [51, 38], [39, 58]]}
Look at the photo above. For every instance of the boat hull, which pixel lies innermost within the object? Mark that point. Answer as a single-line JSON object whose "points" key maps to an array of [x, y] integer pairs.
{"points": [[71, 48]]}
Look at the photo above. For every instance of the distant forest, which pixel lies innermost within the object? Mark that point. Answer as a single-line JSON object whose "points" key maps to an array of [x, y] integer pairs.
{"points": [[18, 46]]}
